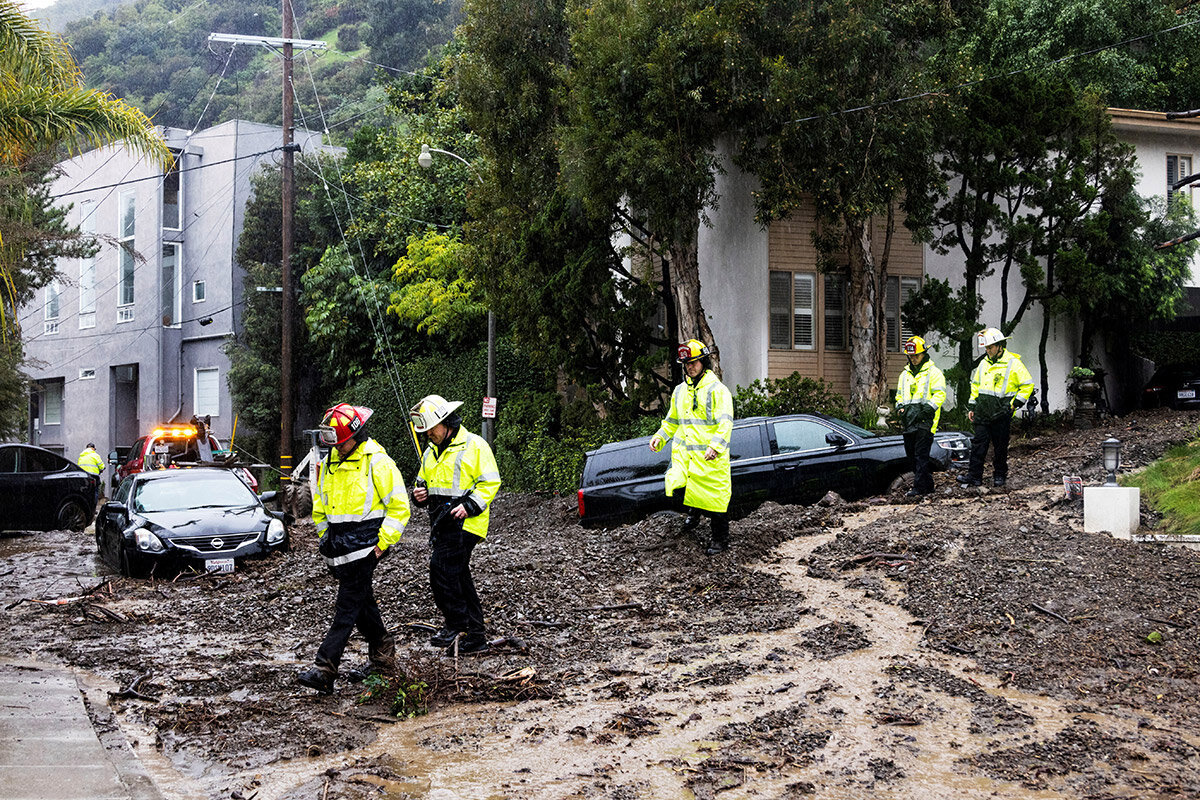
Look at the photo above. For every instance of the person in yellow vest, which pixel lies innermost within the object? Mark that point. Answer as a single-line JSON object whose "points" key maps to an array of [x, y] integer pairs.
{"points": [[920, 393], [91, 462], [699, 426], [360, 508], [458, 480], [1000, 385]]}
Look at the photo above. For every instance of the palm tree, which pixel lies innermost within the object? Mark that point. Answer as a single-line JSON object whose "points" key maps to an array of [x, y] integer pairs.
{"points": [[44, 111], [44, 105]]}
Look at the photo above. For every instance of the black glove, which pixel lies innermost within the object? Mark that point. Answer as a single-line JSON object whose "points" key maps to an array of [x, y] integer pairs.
{"points": [[1017, 403]]}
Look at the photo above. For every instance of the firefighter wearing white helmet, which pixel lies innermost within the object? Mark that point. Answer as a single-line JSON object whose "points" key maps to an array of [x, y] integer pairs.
{"points": [[360, 508], [457, 481], [699, 425], [1000, 385], [920, 393]]}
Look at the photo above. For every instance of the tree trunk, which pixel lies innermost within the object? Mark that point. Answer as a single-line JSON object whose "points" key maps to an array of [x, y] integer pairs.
{"points": [[685, 285], [867, 381]]}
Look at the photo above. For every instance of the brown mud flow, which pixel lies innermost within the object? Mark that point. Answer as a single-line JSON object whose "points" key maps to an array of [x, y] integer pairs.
{"points": [[978, 644]]}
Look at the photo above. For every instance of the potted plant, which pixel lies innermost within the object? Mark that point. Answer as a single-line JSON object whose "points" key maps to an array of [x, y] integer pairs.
{"points": [[1082, 383]]}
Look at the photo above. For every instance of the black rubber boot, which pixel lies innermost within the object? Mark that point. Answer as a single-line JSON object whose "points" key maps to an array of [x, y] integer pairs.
{"points": [[317, 678], [443, 638], [469, 644], [717, 546]]}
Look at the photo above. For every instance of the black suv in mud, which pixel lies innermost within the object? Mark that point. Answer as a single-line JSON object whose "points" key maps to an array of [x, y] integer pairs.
{"points": [[789, 459]]}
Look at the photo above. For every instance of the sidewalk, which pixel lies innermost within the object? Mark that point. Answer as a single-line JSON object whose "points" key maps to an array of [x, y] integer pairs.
{"points": [[49, 749]]}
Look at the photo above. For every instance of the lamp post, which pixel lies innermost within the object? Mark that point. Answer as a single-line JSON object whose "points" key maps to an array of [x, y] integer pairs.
{"points": [[425, 159], [1112, 460]]}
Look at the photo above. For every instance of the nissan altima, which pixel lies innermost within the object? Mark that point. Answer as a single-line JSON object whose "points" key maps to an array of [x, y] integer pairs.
{"points": [[201, 517]]}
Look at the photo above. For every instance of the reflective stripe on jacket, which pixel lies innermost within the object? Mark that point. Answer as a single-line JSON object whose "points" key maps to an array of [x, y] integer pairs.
{"points": [[994, 384], [700, 417], [920, 394], [465, 467], [360, 503], [90, 461]]}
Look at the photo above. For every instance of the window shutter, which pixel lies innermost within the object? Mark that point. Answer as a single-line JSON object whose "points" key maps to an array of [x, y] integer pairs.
{"points": [[802, 314]]}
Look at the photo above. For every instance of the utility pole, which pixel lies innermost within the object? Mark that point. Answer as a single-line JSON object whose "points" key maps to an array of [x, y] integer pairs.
{"points": [[286, 45]]}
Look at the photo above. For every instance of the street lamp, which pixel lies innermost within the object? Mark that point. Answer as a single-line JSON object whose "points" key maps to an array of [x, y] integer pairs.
{"points": [[425, 159], [1112, 460]]}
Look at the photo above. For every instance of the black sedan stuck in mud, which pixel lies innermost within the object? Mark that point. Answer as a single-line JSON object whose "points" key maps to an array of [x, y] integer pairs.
{"points": [[199, 517], [789, 459]]}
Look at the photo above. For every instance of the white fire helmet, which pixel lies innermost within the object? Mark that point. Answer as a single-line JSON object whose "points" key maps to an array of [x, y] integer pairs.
{"points": [[989, 336], [430, 411]]}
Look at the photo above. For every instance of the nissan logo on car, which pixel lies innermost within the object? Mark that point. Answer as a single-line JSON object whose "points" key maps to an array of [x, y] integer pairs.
{"points": [[217, 544]]}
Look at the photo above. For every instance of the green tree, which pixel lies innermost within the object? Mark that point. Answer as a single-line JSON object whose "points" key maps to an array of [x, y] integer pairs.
{"points": [[838, 116], [546, 262], [648, 101]]}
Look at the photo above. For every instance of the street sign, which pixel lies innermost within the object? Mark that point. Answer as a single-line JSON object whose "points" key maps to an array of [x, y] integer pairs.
{"points": [[489, 408]]}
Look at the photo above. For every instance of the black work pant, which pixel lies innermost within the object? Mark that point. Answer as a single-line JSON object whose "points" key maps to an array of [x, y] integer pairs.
{"points": [[355, 607], [916, 446], [995, 433], [719, 521], [451, 581]]}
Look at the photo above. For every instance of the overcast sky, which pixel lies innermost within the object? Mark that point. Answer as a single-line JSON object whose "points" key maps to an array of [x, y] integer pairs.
{"points": [[29, 4]]}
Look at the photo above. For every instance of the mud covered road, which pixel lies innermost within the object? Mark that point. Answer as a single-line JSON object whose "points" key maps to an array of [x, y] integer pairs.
{"points": [[976, 644]]}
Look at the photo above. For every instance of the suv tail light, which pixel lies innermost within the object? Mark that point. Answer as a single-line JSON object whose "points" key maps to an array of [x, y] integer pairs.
{"points": [[580, 495]]}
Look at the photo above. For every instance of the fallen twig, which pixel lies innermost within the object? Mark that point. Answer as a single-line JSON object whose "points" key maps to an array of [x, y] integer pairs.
{"points": [[1166, 622], [115, 616], [621, 607], [133, 692], [897, 719], [1049, 613]]}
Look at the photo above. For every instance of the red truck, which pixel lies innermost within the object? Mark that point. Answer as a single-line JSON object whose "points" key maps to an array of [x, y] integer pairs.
{"points": [[173, 446]]}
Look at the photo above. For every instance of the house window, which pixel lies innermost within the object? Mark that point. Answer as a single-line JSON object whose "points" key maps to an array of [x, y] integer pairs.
{"points": [[125, 271], [791, 296], [206, 391], [199, 292], [899, 290], [52, 402], [1178, 167], [172, 296], [835, 312], [52, 307], [86, 374], [87, 268], [172, 196]]}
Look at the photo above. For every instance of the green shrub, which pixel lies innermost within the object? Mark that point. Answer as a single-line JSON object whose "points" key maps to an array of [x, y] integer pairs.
{"points": [[795, 394]]}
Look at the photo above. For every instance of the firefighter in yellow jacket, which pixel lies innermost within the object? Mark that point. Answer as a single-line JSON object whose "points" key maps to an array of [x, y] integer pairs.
{"points": [[1000, 385], [920, 393], [360, 508], [457, 481], [700, 428]]}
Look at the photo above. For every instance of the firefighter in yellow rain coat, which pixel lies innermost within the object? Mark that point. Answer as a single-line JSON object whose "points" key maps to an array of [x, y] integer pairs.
{"points": [[700, 427]]}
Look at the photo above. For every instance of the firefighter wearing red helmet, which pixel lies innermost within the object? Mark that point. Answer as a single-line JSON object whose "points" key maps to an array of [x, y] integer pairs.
{"points": [[699, 426], [360, 508], [920, 393], [1000, 385]]}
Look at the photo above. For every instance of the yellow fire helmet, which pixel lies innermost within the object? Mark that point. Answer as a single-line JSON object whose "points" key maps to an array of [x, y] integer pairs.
{"points": [[914, 345], [692, 350]]}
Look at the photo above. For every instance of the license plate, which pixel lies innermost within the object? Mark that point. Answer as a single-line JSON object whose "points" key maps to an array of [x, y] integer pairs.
{"points": [[219, 565], [1186, 394]]}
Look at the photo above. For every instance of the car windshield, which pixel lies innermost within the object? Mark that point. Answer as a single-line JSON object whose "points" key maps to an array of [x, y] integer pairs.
{"points": [[220, 490]]}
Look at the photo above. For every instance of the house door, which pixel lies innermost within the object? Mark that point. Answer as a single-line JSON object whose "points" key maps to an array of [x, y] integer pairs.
{"points": [[125, 423]]}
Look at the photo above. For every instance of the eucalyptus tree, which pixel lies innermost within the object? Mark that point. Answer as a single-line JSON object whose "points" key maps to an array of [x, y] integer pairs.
{"points": [[840, 120]]}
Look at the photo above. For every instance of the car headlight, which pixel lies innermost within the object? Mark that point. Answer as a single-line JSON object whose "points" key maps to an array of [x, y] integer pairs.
{"points": [[275, 532], [148, 542]]}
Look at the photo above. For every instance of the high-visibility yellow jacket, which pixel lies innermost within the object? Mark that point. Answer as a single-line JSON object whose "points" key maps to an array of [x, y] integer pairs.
{"points": [[90, 461], [463, 472], [919, 396], [358, 503], [996, 384], [700, 417]]}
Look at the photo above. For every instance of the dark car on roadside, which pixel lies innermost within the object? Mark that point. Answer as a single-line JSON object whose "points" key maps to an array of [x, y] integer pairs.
{"points": [[796, 458], [1173, 386], [202, 517], [42, 491]]}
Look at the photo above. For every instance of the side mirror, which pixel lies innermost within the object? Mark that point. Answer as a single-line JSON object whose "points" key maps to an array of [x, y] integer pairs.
{"points": [[836, 440], [267, 497], [113, 507]]}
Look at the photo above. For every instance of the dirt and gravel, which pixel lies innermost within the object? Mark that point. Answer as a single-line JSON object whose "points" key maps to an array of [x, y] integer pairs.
{"points": [[974, 644]]}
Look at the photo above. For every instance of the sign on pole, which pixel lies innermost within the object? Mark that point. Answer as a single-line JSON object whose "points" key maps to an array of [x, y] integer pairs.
{"points": [[489, 408]]}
